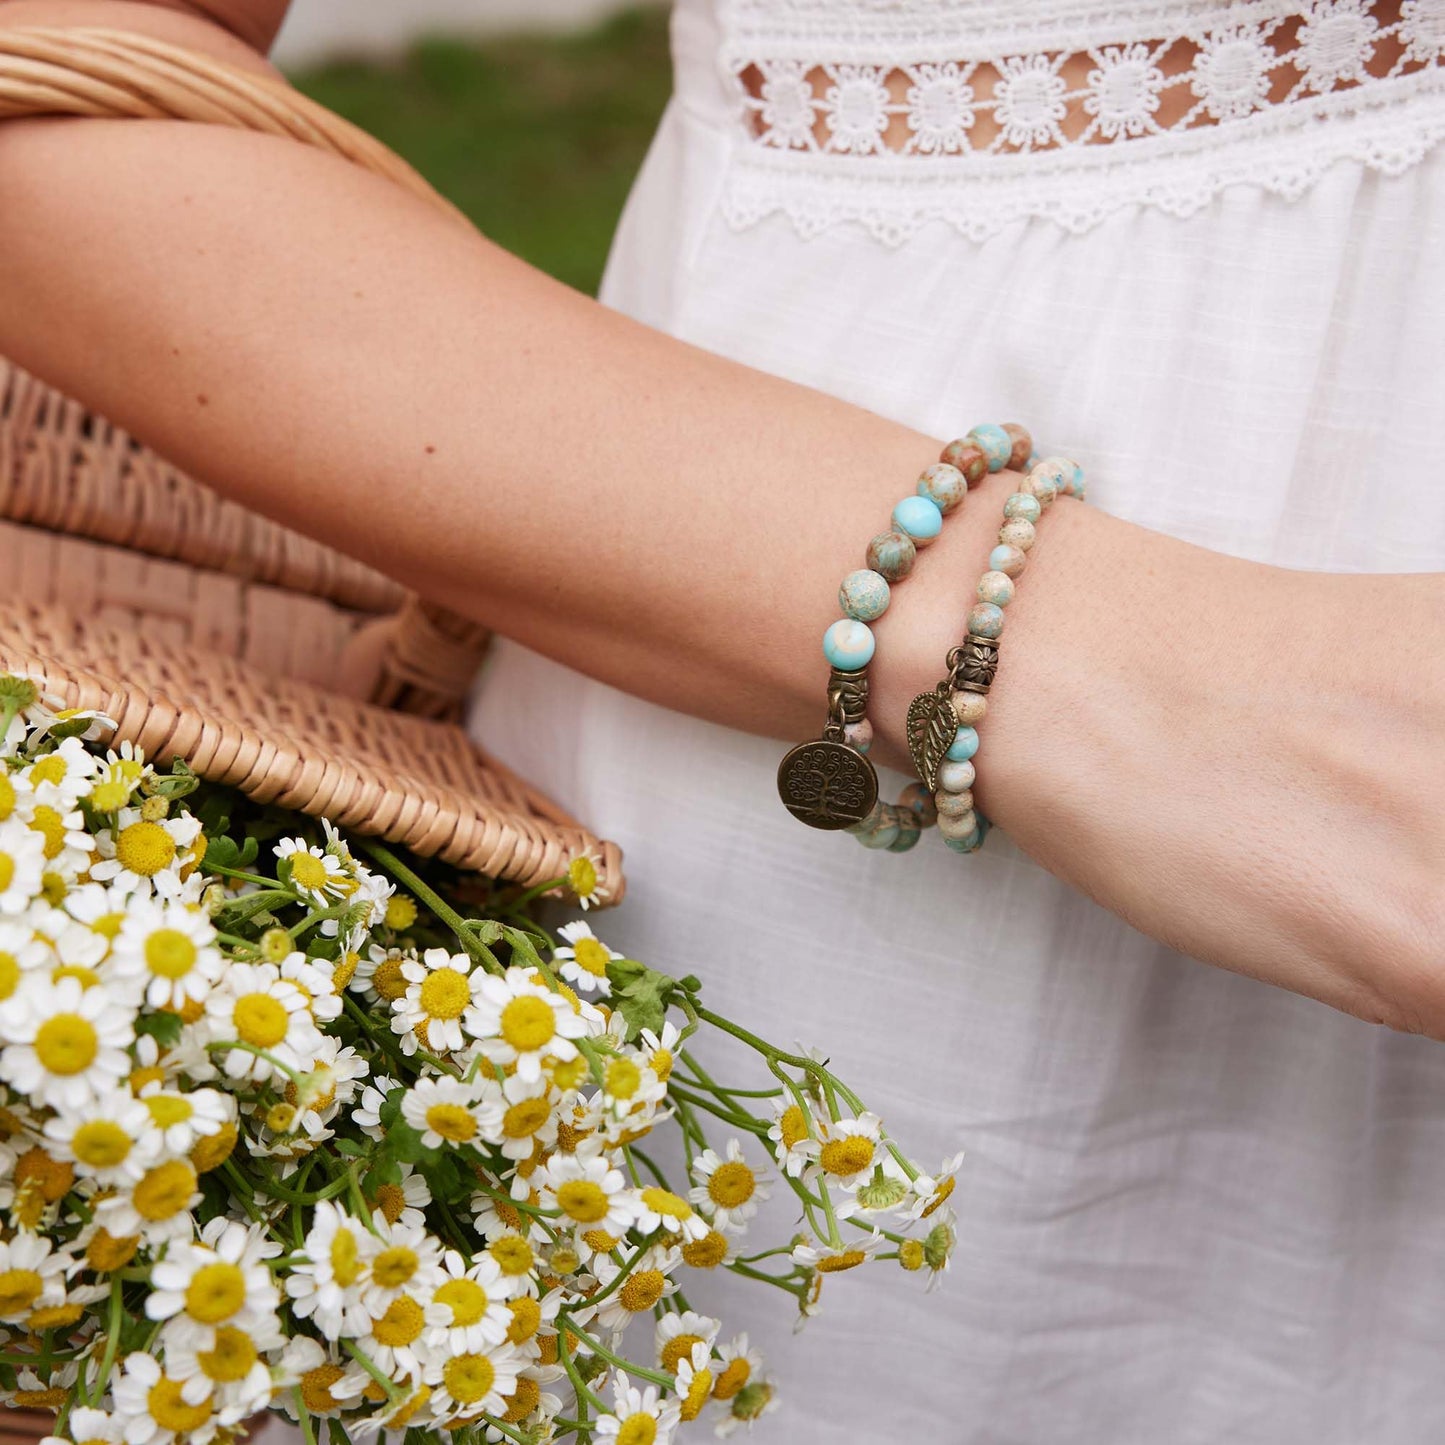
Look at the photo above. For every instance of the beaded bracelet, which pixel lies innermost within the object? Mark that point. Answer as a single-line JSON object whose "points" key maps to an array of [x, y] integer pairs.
{"points": [[942, 724], [829, 782]]}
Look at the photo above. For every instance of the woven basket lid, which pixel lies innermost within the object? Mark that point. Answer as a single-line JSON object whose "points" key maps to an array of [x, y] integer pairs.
{"points": [[139, 592]]}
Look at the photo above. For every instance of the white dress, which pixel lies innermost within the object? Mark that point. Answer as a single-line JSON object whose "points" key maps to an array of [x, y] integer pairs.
{"points": [[1193, 1208]]}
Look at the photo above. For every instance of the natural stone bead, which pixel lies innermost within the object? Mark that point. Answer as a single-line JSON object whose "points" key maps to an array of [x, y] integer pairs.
{"points": [[908, 835], [963, 746], [859, 735], [864, 595], [953, 805], [944, 486], [1017, 533], [997, 444], [1023, 445], [872, 821], [996, 587], [956, 777], [848, 644], [959, 825], [883, 833], [892, 555], [968, 457], [919, 801], [1046, 480], [969, 708], [1007, 559], [971, 844], [1025, 505], [984, 620], [919, 518]]}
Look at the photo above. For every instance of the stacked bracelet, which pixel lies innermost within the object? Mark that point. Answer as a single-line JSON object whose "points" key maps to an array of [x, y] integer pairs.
{"points": [[942, 724], [829, 782]]}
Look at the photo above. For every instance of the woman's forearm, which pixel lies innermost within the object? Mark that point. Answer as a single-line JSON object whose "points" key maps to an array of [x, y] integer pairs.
{"points": [[1171, 730]]}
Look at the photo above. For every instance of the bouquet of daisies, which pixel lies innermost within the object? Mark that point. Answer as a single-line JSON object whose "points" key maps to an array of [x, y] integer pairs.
{"points": [[282, 1129]]}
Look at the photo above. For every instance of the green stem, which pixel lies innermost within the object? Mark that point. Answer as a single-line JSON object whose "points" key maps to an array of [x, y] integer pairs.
{"points": [[438, 905], [616, 1361]]}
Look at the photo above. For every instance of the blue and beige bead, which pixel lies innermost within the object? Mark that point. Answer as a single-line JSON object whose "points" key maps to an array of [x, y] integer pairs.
{"points": [[1007, 559], [963, 746], [1017, 533], [864, 595], [969, 707], [944, 486], [955, 777], [997, 445], [1025, 505], [985, 619], [995, 587], [919, 519], [848, 644], [892, 555]]}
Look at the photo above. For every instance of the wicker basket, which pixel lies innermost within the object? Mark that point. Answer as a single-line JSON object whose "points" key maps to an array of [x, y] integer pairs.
{"points": [[136, 590]]}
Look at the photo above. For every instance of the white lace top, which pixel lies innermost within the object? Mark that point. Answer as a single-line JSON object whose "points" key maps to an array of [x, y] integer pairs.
{"points": [[893, 113]]}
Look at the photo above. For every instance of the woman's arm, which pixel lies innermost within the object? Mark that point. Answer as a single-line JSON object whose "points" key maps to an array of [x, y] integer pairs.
{"points": [[1172, 732]]}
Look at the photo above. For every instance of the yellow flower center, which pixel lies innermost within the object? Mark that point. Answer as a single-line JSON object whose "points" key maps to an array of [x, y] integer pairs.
{"points": [[345, 1258], [280, 1118], [732, 1184], [623, 1078], [105, 1252], [698, 1390], [66, 1044], [513, 1255], [169, 1410], [592, 955], [101, 1144], [678, 1349], [51, 1178], [403, 1321], [528, 1023], [50, 769], [565, 1260], [168, 1109], [344, 970], [53, 887], [523, 1400], [452, 1121], [213, 1150], [7, 797], [316, 1388], [939, 1195], [230, 1359], [260, 1020], [639, 1429], [642, 1290], [139, 1078], [398, 1418], [393, 1267], [525, 1118], [400, 912], [466, 1299], [165, 1190], [910, 1254], [600, 1240], [468, 1378], [666, 1203], [847, 1155], [731, 1379], [169, 953], [215, 1293], [661, 1062], [834, 1263], [445, 993], [145, 848], [308, 871], [53, 1399], [582, 1200], [85, 977], [388, 979], [793, 1126], [110, 796], [54, 1317], [391, 1200], [9, 973], [19, 1289], [582, 875], [51, 826], [569, 1073], [526, 1319]]}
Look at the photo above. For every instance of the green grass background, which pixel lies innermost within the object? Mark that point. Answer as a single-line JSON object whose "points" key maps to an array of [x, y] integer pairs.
{"points": [[536, 138]]}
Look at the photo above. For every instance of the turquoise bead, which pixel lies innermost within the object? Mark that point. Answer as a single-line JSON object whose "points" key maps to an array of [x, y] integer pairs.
{"points": [[918, 518], [944, 486], [1006, 559], [891, 555], [970, 844], [996, 587], [963, 746], [848, 644], [956, 777], [984, 620], [1021, 504], [864, 595], [997, 444], [880, 831], [906, 839]]}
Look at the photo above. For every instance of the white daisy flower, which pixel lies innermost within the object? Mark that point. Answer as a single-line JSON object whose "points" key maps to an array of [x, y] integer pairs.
{"points": [[378, 974], [156, 1207], [91, 1426], [677, 1334], [22, 862], [316, 983], [828, 1260], [110, 1140], [116, 778], [659, 1208], [529, 1116], [737, 1367], [930, 1191], [467, 1310], [694, 1381], [448, 1112], [406, 1260], [441, 987], [637, 1415], [747, 1407], [67, 846], [143, 854], [661, 1048], [184, 1116], [62, 777], [155, 1410], [319, 876], [395, 1339], [367, 1113], [476, 1381], [648, 1282], [847, 1148], [64, 1044], [590, 1192], [21, 952], [518, 1020], [583, 962], [582, 879], [169, 950], [31, 1275], [793, 1147], [223, 1280], [234, 1371], [256, 1006], [938, 1246], [731, 1188], [326, 1286]]}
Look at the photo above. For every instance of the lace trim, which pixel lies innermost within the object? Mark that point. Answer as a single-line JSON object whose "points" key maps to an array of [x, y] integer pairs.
{"points": [[983, 118]]}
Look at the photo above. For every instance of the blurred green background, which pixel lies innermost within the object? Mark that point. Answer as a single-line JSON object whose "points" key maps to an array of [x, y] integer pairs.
{"points": [[536, 138]]}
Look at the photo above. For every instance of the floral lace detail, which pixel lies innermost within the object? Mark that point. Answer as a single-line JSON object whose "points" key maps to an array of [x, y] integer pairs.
{"points": [[893, 113]]}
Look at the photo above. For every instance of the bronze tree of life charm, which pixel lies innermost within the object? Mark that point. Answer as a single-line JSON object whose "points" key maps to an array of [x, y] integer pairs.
{"points": [[827, 784]]}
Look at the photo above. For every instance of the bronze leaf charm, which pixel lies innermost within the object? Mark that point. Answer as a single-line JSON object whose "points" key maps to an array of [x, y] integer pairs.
{"points": [[932, 728]]}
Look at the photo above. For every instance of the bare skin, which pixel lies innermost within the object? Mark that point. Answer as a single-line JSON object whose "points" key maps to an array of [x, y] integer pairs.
{"points": [[315, 343]]}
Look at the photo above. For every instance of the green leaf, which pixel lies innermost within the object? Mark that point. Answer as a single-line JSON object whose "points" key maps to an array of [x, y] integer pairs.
{"points": [[405, 1144], [164, 1028], [640, 994]]}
